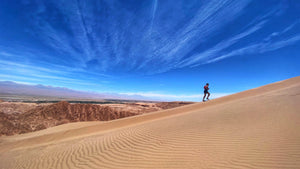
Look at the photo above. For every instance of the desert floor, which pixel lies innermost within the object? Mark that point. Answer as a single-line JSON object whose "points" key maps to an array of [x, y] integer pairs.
{"points": [[258, 128]]}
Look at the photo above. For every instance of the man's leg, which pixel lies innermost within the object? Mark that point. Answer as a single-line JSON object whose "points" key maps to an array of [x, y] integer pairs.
{"points": [[208, 94], [204, 96]]}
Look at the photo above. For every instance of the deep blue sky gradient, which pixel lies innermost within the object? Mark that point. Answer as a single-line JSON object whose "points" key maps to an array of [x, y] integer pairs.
{"points": [[158, 48]]}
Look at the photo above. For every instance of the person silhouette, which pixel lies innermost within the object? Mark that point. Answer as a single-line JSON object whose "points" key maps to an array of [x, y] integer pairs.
{"points": [[206, 92]]}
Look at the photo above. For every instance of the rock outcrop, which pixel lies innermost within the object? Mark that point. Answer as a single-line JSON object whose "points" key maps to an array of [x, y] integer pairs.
{"points": [[18, 118], [56, 114], [17, 107]]}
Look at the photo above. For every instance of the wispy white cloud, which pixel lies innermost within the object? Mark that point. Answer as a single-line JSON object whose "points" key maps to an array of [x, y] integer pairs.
{"points": [[154, 7], [111, 46], [5, 77], [10, 65], [265, 44], [259, 48], [12, 71], [213, 52], [116, 37]]}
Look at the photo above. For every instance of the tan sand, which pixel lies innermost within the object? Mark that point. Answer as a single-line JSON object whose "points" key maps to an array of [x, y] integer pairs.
{"points": [[258, 128]]}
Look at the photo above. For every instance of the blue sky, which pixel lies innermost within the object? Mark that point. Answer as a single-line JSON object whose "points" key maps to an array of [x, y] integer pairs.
{"points": [[157, 48]]}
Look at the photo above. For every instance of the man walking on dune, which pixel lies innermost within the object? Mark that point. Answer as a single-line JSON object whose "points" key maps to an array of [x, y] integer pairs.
{"points": [[206, 92]]}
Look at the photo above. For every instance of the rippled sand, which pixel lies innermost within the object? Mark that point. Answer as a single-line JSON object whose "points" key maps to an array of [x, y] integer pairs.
{"points": [[258, 128]]}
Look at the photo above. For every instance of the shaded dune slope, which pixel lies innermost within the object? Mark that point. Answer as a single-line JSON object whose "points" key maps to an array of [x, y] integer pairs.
{"points": [[258, 128]]}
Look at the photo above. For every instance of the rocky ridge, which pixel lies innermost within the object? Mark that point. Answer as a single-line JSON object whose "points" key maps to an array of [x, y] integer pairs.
{"points": [[56, 114], [45, 116]]}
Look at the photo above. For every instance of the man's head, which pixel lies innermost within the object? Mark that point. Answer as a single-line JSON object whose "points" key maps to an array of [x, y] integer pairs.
{"points": [[207, 84]]}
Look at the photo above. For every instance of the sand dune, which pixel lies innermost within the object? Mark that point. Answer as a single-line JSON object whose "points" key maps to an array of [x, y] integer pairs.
{"points": [[258, 128]]}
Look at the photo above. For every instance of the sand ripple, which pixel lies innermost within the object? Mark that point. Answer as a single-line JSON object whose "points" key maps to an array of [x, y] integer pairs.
{"points": [[261, 131]]}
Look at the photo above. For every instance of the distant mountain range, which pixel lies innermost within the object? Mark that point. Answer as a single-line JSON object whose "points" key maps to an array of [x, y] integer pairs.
{"points": [[9, 87]]}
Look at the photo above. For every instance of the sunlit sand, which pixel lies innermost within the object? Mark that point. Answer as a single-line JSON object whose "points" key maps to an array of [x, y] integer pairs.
{"points": [[258, 128]]}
